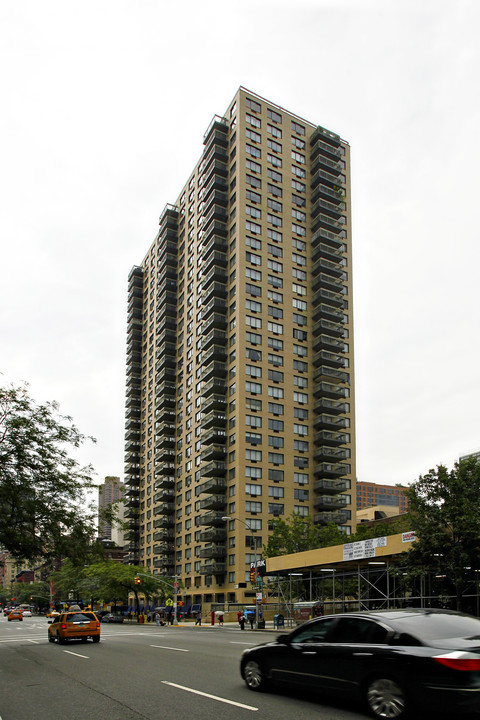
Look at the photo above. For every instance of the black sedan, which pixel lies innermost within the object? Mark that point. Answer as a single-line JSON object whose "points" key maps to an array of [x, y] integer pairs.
{"points": [[111, 618], [393, 661]]}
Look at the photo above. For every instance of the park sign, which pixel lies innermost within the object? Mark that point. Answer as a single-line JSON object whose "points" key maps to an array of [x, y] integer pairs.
{"points": [[261, 567]]}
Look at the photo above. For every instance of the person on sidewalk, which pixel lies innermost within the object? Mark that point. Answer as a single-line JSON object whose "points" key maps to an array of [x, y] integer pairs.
{"points": [[241, 621], [198, 618]]}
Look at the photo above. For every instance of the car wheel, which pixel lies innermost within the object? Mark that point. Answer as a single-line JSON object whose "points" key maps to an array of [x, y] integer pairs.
{"points": [[386, 698], [84, 639], [60, 640], [96, 638], [51, 639], [254, 676]]}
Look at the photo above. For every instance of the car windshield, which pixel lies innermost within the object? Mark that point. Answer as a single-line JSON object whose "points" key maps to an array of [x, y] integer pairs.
{"points": [[80, 617], [431, 626]]}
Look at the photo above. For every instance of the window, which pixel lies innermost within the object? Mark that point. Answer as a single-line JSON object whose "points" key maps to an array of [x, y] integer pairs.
{"points": [[253, 438], [299, 304], [299, 186], [300, 478], [298, 157], [276, 492], [275, 475], [253, 227], [253, 305], [298, 128], [275, 458], [253, 274], [253, 290], [276, 441], [273, 145], [253, 322], [275, 328], [253, 421], [298, 171], [253, 472], [253, 181], [275, 250], [276, 117], [254, 121], [275, 266], [275, 131], [274, 190], [253, 196], [253, 371], [276, 282], [274, 220], [253, 387], [300, 144], [253, 136], [301, 335], [253, 166], [301, 398], [299, 274], [253, 355], [274, 296], [275, 343], [251, 489], [253, 212], [300, 319], [276, 509], [275, 235], [275, 408], [253, 243], [301, 510], [253, 105], [275, 392], [299, 244], [299, 259], [253, 506], [300, 429], [274, 175], [300, 350], [275, 376], [253, 338], [276, 360], [300, 366], [253, 455], [274, 160], [275, 425], [275, 312], [274, 205]]}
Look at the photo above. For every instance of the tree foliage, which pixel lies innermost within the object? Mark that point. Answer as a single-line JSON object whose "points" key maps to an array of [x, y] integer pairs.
{"points": [[298, 533], [445, 514], [42, 488]]}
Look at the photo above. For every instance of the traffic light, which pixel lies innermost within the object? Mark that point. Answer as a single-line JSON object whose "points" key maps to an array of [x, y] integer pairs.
{"points": [[252, 575], [137, 580]]}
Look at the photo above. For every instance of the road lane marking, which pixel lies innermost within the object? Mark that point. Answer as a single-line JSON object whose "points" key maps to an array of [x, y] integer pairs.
{"points": [[235, 642], [35, 642], [77, 654], [212, 697], [164, 647]]}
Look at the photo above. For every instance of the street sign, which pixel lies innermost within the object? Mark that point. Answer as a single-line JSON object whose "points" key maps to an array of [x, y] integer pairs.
{"points": [[169, 602]]}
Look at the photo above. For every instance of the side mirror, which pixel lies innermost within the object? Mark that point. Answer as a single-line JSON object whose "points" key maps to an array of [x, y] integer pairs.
{"points": [[282, 639]]}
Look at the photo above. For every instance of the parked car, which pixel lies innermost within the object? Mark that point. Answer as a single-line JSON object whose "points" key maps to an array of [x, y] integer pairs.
{"points": [[15, 615], [392, 661], [76, 625], [112, 618]]}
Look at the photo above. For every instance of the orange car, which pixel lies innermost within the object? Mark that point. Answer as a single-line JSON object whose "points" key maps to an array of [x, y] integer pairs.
{"points": [[76, 625], [15, 615]]}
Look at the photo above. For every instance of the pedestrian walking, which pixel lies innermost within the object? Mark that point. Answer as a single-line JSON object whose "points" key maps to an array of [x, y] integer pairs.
{"points": [[241, 621], [198, 619], [157, 618], [220, 620], [251, 619]]}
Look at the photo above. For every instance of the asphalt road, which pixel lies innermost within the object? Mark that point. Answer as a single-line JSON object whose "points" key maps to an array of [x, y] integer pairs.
{"points": [[141, 672]]}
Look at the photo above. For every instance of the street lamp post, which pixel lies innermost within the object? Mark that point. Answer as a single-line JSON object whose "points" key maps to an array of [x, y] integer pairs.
{"points": [[245, 522]]}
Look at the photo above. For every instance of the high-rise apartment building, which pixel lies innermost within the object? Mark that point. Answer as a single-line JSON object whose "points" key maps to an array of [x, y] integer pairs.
{"points": [[111, 492], [240, 387]]}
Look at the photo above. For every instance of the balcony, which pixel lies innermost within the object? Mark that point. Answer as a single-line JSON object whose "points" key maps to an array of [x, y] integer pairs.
{"points": [[323, 190], [325, 453], [335, 267], [214, 369], [164, 482], [214, 452], [216, 274], [214, 245], [216, 305], [165, 455], [216, 132], [166, 468], [214, 568], [215, 468], [327, 312], [164, 442], [334, 360], [213, 535], [164, 549], [216, 168], [322, 518], [331, 329], [332, 469], [214, 386], [165, 348], [329, 282], [332, 407], [331, 438], [215, 258], [212, 518], [214, 320], [164, 362], [164, 415], [165, 495], [329, 502], [215, 485], [330, 422], [331, 390], [330, 486], [214, 352], [163, 535], [214, 419], [328, 223], [216, 436], [331, 298], [214, 551], [165, 508], [164, 564], [213, 502], [164, 521], [214, 401], [327, 373], [215, 289]]}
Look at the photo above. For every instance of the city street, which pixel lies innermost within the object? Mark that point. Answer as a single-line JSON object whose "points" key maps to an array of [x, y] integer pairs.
{"points": [[140, 671]]}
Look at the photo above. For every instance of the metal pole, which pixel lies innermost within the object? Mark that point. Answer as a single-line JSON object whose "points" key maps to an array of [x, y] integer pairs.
{"points": [[175, 588], [255, 586]]}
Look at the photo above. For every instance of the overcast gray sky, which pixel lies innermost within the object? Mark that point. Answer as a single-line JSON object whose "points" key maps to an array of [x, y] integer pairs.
{"points": [[104, 106]]}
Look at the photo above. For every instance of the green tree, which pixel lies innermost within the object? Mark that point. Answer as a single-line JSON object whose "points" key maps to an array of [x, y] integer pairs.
{"points": [[298, 533], [42, 488], [445, 514]]}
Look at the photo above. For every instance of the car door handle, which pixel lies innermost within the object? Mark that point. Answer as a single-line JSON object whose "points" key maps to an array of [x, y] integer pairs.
{"points": [[362, 654], [308, 652]]}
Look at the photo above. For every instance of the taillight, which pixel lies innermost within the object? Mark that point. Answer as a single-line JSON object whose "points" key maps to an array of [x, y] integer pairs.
{"points": [[63, 626], [460, 661], [98, 626]]}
